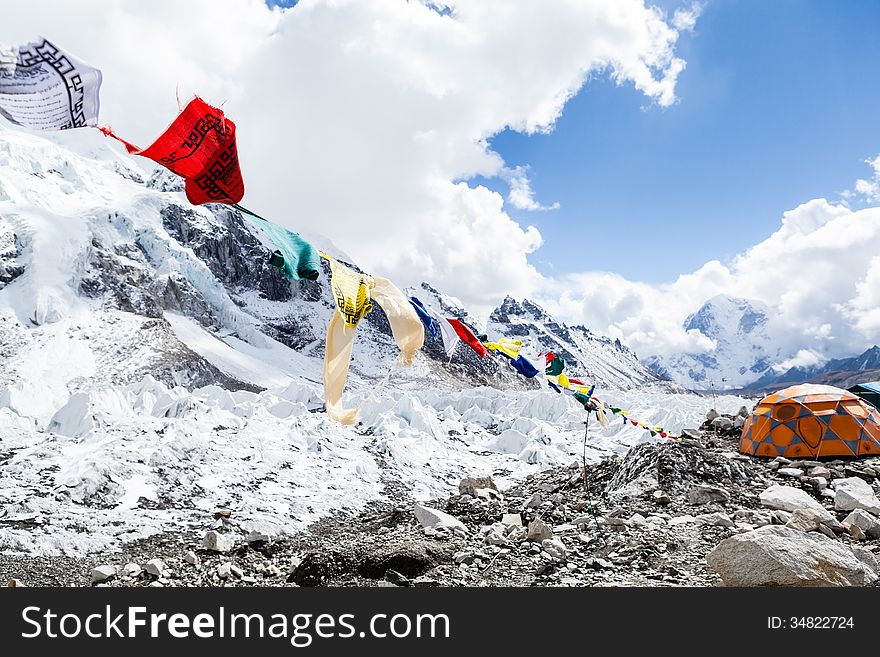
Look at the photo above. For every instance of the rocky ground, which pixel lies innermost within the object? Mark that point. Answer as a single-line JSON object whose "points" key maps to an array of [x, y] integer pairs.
{"points": [[688, 513]]}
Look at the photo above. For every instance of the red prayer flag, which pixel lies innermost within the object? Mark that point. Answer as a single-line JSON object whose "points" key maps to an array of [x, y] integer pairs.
{"points": [[468, 338], [200, 147]]}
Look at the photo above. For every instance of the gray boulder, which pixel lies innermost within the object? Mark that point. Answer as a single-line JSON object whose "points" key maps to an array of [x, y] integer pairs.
{"points": [[855, 493], [705, 494], [868, 523], [781, 556], [788, 498]]}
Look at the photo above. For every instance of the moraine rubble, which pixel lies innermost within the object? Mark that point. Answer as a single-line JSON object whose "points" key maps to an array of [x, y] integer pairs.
{"points": [[688, 513]]}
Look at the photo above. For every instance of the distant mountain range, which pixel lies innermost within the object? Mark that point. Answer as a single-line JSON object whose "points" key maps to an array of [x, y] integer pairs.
{"points": [[840, 372], [747, 353]]}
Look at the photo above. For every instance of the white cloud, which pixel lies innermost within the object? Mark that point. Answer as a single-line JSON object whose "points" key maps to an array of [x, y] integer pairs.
{"points": [[869, 190], [521, 195], [357, 118], [685, 20], [803, 358], [819, 273]]}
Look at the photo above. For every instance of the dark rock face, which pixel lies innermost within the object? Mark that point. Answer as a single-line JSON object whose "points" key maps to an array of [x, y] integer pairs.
{"points": [[121, 275], [232, 253], [10, 250]]}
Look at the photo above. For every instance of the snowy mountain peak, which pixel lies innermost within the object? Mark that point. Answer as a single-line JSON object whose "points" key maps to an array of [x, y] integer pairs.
{"points": [[599, 359], [723, 316], [744, 348]]}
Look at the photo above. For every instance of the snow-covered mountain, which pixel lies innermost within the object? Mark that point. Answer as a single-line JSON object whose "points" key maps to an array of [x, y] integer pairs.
{"points": [[587, 355], [745, 347], [153, 366]]}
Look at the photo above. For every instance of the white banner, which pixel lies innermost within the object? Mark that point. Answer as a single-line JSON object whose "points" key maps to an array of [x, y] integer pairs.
{"points": [[45, 88]]}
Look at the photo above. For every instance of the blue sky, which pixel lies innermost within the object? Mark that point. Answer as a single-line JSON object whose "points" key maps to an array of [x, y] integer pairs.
{"points": [[778, 105]]}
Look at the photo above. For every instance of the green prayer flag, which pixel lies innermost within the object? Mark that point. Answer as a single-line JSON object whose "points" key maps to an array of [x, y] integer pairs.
{"points": [[296, 258]]}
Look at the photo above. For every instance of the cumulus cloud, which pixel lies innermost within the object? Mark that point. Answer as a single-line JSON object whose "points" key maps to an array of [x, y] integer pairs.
{"points": [[358, 119], [867, 189], [818, 272], [521, 195], [803, 358]]}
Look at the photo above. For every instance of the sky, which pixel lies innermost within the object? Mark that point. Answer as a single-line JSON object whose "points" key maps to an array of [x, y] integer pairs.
{"points": [[618, 162]]}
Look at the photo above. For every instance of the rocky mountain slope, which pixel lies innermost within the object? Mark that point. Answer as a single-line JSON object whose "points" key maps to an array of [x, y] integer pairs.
{"points": [[153, 366]]}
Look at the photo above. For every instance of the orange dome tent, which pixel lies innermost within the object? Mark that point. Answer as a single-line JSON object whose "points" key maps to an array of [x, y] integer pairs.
{"points": [[811, 420]]}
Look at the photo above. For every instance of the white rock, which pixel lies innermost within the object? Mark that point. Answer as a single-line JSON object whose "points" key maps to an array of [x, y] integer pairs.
{"points": [[637, 520], [131, 570], [706, 494], [217, 542], [192, 558], [509, 519], [715, 519], [554, 547], [780, 556], [819, 471], [788, 498], [868, 523], [235, 570], [154, 567], [682, 520], [855, 493], [433, 519], [722, 423], [224, 570], [103, 573], [156, 585], [797, 473]]}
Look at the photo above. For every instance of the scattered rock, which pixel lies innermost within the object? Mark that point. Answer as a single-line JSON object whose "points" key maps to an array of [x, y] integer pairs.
{"points": [[705, 494], [804, 520], [797, 473], [712, 415], [14, 584], [819, 471], [661, 497], [856, 532], [722, 423], [217, 542], [192, 558], [855, 493], [511, 519], [554, 547], [682, 520], [780, 556], [224, 571], [154, 567], [433, 519], [470, 485], [868, 523], [716, 519], [131, 570], [538, 531], [103, 573], [258, 538], [788, 498]]}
